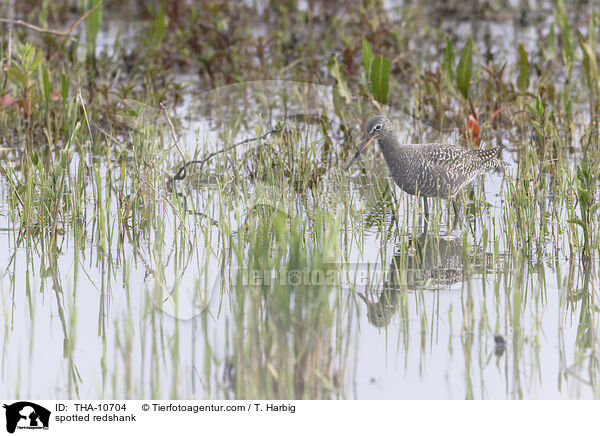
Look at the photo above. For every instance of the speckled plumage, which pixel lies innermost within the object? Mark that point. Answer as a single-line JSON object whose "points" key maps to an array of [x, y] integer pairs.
{"points": [[432, 170]]}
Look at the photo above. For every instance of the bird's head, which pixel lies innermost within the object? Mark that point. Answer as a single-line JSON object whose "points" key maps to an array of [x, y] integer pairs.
{"points": [[376, 128]]}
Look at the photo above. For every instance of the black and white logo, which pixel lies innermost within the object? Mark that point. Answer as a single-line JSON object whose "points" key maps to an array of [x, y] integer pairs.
{"points": [[26, 415]]}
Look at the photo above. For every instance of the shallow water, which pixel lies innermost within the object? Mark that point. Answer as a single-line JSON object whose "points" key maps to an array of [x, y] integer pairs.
{"points": [[408, 314], [435, 340]]}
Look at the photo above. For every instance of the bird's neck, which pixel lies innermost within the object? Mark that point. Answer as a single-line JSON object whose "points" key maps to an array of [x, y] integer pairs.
{"points": [[393, 151]]}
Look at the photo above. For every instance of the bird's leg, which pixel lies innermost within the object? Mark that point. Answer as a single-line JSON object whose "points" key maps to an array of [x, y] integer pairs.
{"points": [[426, 211], [455, 206], [456, 216]]}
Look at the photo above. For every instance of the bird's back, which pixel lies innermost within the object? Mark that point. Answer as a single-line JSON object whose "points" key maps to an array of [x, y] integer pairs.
{"points": [[439, 170]]}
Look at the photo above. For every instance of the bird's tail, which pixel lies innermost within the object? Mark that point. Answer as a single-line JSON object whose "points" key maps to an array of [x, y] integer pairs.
{"points": [[489, 158]]}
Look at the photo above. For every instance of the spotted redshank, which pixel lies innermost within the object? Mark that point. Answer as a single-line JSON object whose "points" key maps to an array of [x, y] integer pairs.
{"points": [[431, 170]]}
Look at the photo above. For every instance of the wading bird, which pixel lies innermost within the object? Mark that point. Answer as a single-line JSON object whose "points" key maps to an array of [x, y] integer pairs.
{"points": [[431, 170]]}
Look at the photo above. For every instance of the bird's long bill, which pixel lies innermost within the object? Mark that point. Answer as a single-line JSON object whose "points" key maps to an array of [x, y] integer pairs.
{"points": [[364, 144]]}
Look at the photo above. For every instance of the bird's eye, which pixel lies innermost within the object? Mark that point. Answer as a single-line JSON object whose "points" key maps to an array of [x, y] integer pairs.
{"points": [[378, 127]]}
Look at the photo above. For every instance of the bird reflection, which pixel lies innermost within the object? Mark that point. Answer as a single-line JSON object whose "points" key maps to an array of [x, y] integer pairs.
{"points": [[499, 345], [427, 262]]}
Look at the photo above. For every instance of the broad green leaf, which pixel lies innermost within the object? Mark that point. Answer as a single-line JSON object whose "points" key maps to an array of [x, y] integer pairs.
{"points": [[93, 21], [380, 76], [592, 32], [159, 25], [589, 62], [16, 77], [46, 86], [64, 88], [341, 88], [565, 33], [448, 61], [367, 56], [552, 41], [464, 68], [36, 62], [523, 79], [43, 15]]}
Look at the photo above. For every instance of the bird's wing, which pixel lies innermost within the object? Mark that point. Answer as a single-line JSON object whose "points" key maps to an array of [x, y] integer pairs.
{"points": [[447, 157], [456, 159]]}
